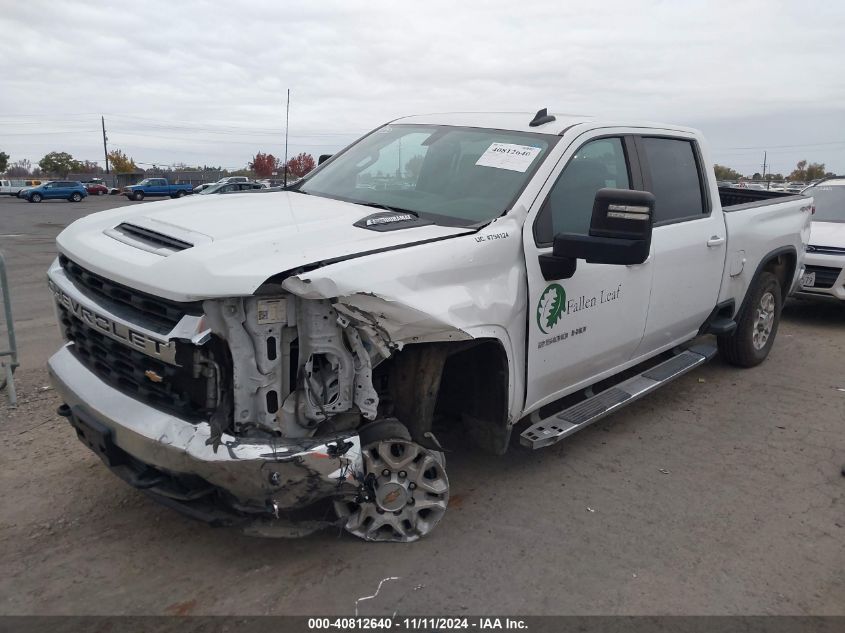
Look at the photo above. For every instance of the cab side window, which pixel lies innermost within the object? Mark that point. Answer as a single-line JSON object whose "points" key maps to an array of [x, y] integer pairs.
{"points": [[597, 165], [676, 179]]}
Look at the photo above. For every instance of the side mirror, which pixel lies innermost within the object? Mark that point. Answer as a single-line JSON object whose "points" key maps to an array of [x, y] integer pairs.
{"points": [[620, 233], [323, 158]]}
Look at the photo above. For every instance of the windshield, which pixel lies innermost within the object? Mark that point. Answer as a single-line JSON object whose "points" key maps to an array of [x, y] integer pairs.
{"points": [[829, 201], [450, 174]]}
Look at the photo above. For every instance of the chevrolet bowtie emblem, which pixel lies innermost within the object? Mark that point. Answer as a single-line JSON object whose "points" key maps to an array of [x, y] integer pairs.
{"points": [[150, 374]]}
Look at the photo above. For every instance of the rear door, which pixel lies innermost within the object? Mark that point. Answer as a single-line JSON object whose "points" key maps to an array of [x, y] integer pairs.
{"points": [[688, 241], [592, 322]]}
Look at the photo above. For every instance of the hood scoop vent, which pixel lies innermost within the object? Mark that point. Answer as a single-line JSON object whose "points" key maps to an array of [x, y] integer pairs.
{"points": [[147, 239]]}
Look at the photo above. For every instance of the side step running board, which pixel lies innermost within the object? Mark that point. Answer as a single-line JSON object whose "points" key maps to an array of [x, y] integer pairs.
{"points": [[560, 425]]}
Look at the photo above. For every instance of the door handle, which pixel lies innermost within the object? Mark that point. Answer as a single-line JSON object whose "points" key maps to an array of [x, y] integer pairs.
{"points": [[715, 240]]}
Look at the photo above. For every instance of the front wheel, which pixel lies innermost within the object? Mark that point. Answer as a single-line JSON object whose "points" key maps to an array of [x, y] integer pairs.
{"points": [[36, 197], [76, 197], [138, 196], [757, 326], [405, 490]]}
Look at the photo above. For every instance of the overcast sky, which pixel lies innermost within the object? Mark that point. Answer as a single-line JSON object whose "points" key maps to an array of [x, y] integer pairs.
{"points": [[204, 82]]}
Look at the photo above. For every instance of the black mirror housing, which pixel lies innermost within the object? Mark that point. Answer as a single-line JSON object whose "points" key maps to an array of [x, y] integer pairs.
{"points": [[323, 158], [622, 214], [620, 234], [620, 230]]}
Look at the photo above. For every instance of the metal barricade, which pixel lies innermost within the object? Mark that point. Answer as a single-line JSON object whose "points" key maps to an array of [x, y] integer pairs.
{"points": [[7, 375]]}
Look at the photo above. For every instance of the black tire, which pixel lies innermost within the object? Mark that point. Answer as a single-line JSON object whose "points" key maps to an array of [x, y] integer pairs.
{"points": [[138, 196], [179, 194], [390, 429], [100, 192], [36, 197], [386, 429], [76, 197], [741, 348]]}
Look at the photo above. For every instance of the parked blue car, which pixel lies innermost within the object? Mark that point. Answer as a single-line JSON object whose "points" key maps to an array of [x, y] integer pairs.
{"points": [[72, 191], [156, 187]]}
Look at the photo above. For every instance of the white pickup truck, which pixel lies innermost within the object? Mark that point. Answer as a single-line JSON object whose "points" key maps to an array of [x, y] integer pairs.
{"points": [[242, 358]]}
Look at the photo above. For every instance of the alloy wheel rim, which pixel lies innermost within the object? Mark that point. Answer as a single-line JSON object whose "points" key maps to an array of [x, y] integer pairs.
{"points": [[764, 321], [408, 493]]}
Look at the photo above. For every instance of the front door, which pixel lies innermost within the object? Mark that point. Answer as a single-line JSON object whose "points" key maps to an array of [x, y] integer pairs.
{"points": [[589, 324]]}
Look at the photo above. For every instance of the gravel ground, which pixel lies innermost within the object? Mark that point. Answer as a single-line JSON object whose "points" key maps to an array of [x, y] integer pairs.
{"points": [[721, 494]]}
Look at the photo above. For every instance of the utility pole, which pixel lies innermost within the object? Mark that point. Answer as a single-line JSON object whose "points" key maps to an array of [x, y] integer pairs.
{"points": [[287, 119], [764, 169], [105, 147]]}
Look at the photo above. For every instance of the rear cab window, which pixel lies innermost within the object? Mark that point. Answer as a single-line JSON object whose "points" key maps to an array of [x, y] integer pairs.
{"points": [[673, 172]]}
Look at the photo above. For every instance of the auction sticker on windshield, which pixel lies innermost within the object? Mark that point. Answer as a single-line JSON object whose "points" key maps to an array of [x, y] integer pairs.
{"points": [[508, 156]]}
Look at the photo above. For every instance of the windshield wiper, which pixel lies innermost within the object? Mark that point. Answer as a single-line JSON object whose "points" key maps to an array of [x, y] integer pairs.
{"points": [[378, 205]]}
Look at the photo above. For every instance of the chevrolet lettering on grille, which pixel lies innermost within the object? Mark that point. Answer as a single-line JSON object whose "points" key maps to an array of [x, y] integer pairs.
{"points": [[163, 350]]}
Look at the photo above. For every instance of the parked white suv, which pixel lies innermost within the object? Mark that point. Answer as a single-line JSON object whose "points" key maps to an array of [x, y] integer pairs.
{"points": [[825, 260]]}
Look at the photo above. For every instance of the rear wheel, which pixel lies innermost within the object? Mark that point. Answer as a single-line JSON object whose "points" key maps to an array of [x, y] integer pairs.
{"points": [[405, 491], [179, 194], [757, 326]]}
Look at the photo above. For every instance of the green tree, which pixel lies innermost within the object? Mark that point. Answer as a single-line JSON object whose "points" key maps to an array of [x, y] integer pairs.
{"points": [[88, 167], [722, 172], [121, 163], [4, 161], [805, 172], [815, 171], [58, 164]]}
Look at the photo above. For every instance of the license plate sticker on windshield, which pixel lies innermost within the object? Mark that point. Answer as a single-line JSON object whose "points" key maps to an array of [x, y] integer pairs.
{"points": [[808, 280], [508, 156]]}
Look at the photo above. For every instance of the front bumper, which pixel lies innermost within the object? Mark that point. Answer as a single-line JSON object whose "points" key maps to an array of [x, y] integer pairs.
{"points": [[253, 475], [834, 265]]}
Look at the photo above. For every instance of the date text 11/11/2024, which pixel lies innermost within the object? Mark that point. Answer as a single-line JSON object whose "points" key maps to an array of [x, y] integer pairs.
{"points": [[418, 623]]}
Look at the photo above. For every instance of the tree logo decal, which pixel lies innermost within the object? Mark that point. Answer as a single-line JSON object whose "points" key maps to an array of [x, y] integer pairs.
{"points": [[550, 307]]}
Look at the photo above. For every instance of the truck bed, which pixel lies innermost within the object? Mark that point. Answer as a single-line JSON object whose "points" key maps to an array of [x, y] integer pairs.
{"points": [[734, 199], [769, 222]]}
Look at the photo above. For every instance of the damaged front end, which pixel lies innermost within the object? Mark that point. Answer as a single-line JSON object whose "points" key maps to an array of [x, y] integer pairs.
{"points": [[249, 410]]}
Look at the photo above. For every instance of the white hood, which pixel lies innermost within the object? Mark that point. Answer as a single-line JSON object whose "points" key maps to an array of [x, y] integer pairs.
{"points": [[239, 241], [828, 234]]}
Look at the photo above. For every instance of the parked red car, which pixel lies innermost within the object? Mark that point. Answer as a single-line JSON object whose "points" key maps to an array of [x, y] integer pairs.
{"points": [[96, 188]]}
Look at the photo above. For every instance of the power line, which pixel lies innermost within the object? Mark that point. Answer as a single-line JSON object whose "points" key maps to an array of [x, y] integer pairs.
{"points": [[4, 134], [217, 141], [193, 126], [763, 147]]}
